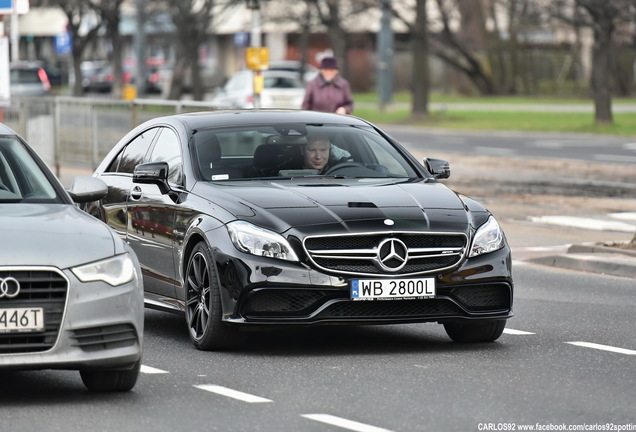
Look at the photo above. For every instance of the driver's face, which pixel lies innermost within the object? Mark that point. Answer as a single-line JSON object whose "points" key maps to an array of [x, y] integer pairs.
{"points": [[316, 154]]}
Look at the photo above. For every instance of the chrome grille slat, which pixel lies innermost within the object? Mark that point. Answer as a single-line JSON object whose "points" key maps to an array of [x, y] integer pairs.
{"points": [[39, 287], [357, 254]]}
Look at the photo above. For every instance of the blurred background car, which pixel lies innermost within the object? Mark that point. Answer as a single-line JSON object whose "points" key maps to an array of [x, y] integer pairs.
{"points": [[28, 80], [307, 74], [100, 76], [70, 289], [282, 89]]}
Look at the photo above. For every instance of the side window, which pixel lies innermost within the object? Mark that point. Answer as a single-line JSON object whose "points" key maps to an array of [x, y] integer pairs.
{"points": [[133, 154], [167, 149], [387, 157]]}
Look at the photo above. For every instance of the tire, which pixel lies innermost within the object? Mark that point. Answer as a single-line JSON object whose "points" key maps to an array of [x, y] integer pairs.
{"points": [[203, 303], [488, 331], [110, 380]]}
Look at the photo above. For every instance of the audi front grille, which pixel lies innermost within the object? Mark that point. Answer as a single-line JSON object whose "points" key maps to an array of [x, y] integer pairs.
{"points": [[45, 288]]}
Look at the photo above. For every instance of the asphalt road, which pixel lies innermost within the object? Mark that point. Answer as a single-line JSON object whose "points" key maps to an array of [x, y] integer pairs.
{"points": [[544, 370], [580, 147]]}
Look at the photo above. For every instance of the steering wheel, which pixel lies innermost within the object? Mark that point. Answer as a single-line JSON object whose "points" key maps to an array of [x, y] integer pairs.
{"points": [[343, 165]]}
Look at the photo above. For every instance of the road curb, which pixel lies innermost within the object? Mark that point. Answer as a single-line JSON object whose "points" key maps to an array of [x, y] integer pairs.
{"points": [[594, 259]]}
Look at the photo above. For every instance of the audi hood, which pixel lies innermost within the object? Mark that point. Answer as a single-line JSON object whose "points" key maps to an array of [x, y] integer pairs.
{"points": [[46, 234]]}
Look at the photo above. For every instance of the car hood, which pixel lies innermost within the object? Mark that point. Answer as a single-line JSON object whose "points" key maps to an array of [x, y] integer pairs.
{"points": [[57, 235], [355, 205]]}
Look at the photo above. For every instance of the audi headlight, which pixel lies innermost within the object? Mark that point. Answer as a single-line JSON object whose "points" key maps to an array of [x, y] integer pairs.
{"points": [[259, 241], [488, 238], [114, 271]]}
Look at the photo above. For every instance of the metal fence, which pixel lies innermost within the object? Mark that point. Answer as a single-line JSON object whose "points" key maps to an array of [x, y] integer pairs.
{"points": [[80, 131]]}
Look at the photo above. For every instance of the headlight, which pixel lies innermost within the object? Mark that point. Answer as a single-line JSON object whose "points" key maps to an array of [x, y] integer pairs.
{"points": [[115, 271], [488, 238], [259, 241]]}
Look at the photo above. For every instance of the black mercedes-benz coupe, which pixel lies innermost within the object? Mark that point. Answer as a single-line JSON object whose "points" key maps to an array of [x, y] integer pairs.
{"points": [[273, 217]]}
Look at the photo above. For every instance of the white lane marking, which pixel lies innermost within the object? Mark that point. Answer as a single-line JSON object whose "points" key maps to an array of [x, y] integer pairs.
{"points": [[150, 370], [344, 423], [543, 248], [626, 216], [615, 158], [630, 146], [517, 332], [224, 391], [603, 347]]}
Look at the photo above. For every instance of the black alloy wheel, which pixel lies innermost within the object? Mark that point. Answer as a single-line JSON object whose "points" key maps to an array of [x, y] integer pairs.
{"points": [[203, 304]]}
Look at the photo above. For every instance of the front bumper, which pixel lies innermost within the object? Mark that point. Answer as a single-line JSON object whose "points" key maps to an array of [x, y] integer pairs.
{"points": [[255, 290], [90, 325]]}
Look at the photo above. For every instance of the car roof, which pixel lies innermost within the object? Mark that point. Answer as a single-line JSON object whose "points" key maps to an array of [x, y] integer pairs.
{"points": [[289, 65], [6, 130], [205, 119]]}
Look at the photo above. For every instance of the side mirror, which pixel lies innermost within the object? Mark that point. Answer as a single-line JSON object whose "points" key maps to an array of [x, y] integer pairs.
{"points": [[85, 189], [153, 173], [438, 167]]}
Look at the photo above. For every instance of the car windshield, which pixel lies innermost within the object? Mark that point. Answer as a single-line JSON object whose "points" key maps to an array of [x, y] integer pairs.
{"points": [[21, 178], [285, 151]]}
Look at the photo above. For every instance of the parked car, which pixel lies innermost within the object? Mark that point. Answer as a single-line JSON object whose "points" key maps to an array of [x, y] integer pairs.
{"points": [[101, 79], [71, 293], [307, 73], [28, 80], [281, 90], [234, 232]]}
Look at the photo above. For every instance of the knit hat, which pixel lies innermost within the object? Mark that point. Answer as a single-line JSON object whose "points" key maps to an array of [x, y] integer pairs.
{"points": [[329, 63]]}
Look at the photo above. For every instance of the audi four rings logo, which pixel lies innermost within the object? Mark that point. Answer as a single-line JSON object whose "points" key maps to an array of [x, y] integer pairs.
{"points": [[392, 254], [9, 287]]}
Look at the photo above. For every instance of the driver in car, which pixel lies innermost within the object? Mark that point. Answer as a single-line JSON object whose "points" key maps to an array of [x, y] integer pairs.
{"points": [[319, 154]]}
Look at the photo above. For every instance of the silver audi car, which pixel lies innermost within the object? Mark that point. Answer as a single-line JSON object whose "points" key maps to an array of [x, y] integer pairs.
{"points": [[71, 294]]}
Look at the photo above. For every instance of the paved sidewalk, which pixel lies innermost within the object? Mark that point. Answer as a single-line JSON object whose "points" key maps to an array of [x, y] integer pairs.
{"points": [[592, 257], [595, 259]]}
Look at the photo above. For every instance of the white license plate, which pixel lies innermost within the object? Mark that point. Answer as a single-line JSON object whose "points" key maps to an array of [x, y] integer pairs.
{"points": [[387, 289], [21, 320]]}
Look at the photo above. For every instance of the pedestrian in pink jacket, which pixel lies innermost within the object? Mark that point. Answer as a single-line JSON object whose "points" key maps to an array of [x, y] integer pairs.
{"points": [[328, 92]]}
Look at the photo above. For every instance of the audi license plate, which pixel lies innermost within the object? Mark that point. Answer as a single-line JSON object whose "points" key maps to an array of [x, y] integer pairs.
{"points": [[21, 320], [389, 289]]}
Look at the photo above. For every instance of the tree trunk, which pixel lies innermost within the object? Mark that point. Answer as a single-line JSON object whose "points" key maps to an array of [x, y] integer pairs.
{"points": [[603, 15], [178, 74], [420, 56], [601, 76], [118, 78]]}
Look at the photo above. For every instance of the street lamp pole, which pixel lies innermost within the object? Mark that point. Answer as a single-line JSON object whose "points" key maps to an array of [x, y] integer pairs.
{"points": [[140, 46], [255, 43], [385, 56]]}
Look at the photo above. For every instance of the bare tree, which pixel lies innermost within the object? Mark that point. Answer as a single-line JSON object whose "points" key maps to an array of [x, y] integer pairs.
{"points": [[79, 13], [110, 12], [420, 84], [329, 13], [603, 17], [193, 20], [447, 45]]}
